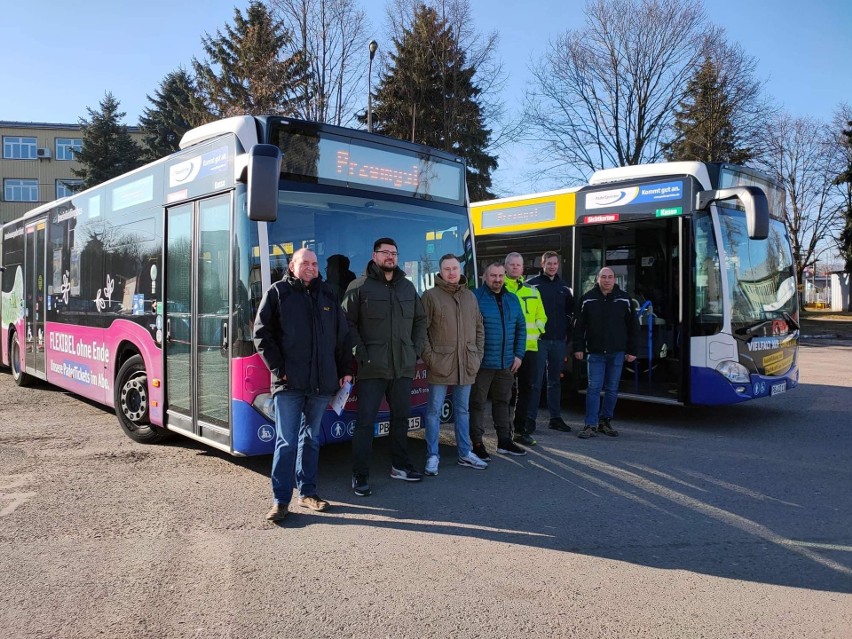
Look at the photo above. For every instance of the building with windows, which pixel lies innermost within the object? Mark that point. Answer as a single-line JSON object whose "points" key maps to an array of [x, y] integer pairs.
{"points": [[36, 164]]}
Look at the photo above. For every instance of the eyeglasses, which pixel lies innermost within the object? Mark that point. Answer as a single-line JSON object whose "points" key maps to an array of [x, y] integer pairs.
{"points": [[388, 253]]}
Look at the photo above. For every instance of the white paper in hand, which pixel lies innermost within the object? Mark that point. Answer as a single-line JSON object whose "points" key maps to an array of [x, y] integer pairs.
{"points": [[339, 400]]}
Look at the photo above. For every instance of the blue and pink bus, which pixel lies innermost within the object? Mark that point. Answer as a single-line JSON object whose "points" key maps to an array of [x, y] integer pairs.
{"points": [[140, 293]]}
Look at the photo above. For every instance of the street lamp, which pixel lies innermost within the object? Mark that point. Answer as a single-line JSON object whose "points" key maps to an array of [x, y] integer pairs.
{"points": [[373, 46]]}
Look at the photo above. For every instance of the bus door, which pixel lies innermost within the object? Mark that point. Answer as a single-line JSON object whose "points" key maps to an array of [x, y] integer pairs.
{"points": [[35, 299], [647, 259], [197, 345]]}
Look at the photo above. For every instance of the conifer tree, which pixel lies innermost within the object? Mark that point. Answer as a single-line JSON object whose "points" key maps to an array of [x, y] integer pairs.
{"points": [[247, 70], [703, 125], [428, 95], [108, 150], [176, 108]]}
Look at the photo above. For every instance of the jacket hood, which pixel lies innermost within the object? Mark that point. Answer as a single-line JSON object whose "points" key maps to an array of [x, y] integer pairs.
{"points": [[375, 271], [450, 288], [298, 284]]}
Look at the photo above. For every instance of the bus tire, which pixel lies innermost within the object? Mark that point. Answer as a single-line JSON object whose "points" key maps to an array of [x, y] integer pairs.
{"points": [[18, 375], [132, 403]]}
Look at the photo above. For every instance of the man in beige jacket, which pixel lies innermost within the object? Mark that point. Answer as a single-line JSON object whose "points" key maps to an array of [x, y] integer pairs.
{"points": [[455, 339]]}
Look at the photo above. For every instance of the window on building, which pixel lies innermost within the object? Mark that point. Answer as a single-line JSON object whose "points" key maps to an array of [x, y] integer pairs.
{"points": [[64, 188], [19, 148], [15, 190], [67, 147]]}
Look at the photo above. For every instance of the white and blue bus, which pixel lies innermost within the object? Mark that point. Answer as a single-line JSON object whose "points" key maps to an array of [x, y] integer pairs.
{"points": [[140, 293], [702, 249]]}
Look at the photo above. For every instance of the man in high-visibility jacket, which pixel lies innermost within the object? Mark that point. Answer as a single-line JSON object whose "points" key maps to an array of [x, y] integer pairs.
{"points": [[529, 388]]}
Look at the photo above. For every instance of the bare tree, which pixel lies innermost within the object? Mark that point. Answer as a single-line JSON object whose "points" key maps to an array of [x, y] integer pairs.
{"points": [[804, 156], [331, 36], [606, 94]]}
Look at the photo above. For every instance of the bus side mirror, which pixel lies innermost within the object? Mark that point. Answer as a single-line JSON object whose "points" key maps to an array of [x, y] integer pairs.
{"points": [[753, 200], [264, 171]]}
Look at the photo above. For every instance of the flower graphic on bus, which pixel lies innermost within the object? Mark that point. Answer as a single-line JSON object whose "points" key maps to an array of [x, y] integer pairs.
{"points": [[66, 286], [100, 302]]}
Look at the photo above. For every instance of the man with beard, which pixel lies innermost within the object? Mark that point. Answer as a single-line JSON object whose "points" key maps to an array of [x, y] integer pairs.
{"points": [[388, 327]]}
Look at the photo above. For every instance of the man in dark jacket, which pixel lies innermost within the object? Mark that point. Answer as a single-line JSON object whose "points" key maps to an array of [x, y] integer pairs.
{"points": [[388, 328], [301, 334], [505, 345], [559, 307], [606, 327]]}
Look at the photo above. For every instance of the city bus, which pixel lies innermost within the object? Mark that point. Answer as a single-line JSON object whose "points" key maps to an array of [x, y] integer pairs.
{"points": [[140, 293], [702, 250]]}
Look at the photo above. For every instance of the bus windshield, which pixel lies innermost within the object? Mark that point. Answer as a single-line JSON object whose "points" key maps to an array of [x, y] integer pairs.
{"points": [[760, 274], [341, 230]]}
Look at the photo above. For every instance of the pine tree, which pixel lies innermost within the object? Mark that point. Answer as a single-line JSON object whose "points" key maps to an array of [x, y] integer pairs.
{"points": [[108, 150], [176, 108], [246, 70], [704, 129], [428, 95]]}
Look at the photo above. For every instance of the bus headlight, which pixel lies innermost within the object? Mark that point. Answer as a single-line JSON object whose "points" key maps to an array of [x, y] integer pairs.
{"points": [[733, 371], [264, 405]]}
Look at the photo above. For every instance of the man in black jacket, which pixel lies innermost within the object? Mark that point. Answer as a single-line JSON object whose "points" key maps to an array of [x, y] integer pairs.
{"points": [[301, 334], [559, 307], [387, 323], [606, 327]]}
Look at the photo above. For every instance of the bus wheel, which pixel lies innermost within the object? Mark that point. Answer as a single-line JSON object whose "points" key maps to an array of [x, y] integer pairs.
{"points": [[18, 374], [132, 403]]}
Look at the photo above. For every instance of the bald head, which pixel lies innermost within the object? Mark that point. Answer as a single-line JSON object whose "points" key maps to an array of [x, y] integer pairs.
{"points": [[606, 280]]}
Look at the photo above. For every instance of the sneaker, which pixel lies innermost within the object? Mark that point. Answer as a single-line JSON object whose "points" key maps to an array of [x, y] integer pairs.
{"points": [[313, 502], [278, 512], [406, 474], [431, 466], [605, 428], [472, 461], [588, 431], [526, 440], [360, 485], [557, 423], [508, 447], [479, 451]]}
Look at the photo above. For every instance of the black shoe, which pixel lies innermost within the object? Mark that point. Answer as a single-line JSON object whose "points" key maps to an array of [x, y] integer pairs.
{"points": [[606, 429], [508, 447], [557, 423], [526, 440], [479, 451], [360, 485], [530, 426]]}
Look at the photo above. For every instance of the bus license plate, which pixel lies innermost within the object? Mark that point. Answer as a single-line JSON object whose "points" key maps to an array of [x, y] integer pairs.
{"points": [[778, 388]]}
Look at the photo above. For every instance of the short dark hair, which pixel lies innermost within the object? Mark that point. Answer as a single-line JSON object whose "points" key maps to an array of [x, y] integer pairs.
{"points": [[384, 240], [547, 255], [498, 264], [444, 258]]}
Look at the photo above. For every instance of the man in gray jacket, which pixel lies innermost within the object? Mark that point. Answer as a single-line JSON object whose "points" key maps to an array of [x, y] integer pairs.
{"points": [[387, 328], [453, 350]]}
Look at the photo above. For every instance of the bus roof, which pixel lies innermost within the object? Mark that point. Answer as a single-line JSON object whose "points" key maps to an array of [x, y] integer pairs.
{"points": [[243, 126], [639, 171]]}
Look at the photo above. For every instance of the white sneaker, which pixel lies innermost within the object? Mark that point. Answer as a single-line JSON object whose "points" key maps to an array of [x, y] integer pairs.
{"points": [[472, 461], [431, 466]]}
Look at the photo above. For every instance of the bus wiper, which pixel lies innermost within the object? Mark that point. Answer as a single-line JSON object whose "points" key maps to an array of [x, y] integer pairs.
{"points": [[790, 320], [754, 328]]}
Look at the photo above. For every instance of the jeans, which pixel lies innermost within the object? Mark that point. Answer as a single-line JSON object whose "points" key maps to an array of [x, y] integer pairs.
{"points": [[529, 391], [298, 424], [461, 418], [551, 355], [370, 393], [499, 382], [604, 374]]}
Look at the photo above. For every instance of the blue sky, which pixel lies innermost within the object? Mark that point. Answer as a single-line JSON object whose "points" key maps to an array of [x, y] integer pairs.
{"points": [[59, 57]]}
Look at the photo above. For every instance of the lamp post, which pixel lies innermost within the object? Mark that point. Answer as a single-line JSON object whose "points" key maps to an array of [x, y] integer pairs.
{"points": [[373, 46]]}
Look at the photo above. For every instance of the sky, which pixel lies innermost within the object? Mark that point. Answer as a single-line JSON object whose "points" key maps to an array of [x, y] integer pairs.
{"points": [[60, 57]]}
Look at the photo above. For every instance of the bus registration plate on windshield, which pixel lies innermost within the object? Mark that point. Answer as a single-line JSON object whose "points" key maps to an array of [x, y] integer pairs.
{"points": [[778, 388]]}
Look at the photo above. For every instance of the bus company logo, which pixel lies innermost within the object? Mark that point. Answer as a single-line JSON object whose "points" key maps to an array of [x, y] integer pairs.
{"points": [[13, 234], [600, 219], [184, 172], [67, 215], [413, 423], [605, 198], [266, 433], [764, 344], [338, 430]]}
